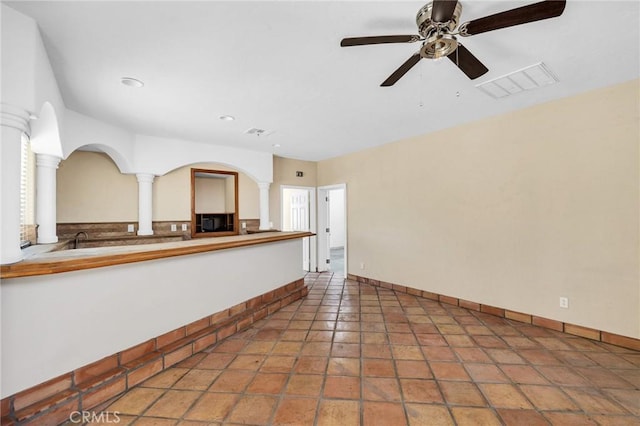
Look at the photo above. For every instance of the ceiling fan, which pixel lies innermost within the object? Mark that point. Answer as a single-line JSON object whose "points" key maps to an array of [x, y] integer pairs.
{"points": [[437, 22]]}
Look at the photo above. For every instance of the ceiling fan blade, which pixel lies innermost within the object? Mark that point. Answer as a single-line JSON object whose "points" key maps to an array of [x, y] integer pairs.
{"points": [[397, 74], [468, 64], [442, 10], [521, 15], [360, 41]]}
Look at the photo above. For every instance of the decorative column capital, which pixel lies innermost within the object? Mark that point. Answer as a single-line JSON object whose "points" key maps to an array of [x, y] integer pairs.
{"points": [[48, 161], [264, 185], [15, 117], [145, 177]]}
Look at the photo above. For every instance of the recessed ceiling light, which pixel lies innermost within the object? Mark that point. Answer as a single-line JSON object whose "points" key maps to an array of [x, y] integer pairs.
{"points": [[132, 82], [227, 117]]}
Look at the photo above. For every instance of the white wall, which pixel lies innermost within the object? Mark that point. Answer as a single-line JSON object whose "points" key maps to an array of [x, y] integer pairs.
{"points": [[18, 58], [79, 130], [161, 155], [53, 324], [158, 156], [27, 78]]}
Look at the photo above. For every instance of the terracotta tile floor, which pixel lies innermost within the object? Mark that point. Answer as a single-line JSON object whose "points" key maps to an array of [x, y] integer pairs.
{"points": [[353, 354]]}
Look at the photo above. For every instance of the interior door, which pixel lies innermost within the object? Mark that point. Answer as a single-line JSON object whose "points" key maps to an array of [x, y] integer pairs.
{"points": [[323, 230], [326, 234], [299, 216], [327, 253]]}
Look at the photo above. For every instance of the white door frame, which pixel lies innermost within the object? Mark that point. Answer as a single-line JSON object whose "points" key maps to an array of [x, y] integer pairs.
{"points": [[323, 220], [313, 254]]}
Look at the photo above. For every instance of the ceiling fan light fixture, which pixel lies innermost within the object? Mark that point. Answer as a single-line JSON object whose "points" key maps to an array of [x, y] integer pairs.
{"points": [[438, 46]]}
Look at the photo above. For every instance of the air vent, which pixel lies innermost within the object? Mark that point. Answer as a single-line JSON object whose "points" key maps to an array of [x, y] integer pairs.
{"points": [[258, 132], [529, 78]]}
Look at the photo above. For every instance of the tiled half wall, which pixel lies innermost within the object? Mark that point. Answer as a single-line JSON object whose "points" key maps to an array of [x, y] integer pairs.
{"points": [[94, 385]]}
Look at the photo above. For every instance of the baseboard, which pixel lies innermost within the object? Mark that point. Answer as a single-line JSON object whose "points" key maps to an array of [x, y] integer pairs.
{"points": [[93, 385], [576, 330]]}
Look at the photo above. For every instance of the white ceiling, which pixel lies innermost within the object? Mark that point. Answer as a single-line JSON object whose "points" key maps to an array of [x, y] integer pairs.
{"points": [[278, 66]]}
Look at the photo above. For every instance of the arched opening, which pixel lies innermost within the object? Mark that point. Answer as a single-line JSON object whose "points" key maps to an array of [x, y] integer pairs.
{"points": [[45, 132], [115, 156]]}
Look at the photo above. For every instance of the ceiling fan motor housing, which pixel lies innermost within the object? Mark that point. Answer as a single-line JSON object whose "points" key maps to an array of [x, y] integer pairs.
{"points": [[426, 26], [439, 43]]}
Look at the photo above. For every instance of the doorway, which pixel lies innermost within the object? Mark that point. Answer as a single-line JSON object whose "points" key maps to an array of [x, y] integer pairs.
{"points": [[332, 230], [298, 208]]}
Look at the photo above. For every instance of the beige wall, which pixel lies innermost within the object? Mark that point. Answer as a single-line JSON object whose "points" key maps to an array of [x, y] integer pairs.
{"points": [[211, 195], [284, 173], [172, 196], [215, 194], [90, 188], [513, 211], [230, 194]]}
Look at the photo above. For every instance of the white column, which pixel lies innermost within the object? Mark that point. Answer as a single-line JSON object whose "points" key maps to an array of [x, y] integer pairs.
{"points": [[14, 122], [46, 166], [145, 203], [264, 205]]}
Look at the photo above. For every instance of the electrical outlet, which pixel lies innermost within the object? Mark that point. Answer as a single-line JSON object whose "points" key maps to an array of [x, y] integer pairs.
{"points": [[361, 265], [564, 302], [184, 226], [130, 228], [174, 228], [244, 225]]}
